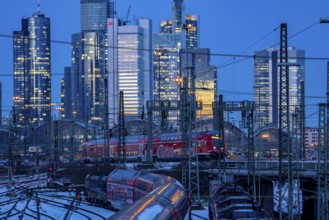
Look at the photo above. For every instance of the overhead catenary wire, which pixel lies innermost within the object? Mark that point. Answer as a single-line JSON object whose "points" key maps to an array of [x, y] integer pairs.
{"points": [[244, 56], [253, 44], [259, 52]]}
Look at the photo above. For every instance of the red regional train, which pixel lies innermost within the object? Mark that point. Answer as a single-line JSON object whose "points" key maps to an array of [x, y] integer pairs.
{"points": [[165, 147]]}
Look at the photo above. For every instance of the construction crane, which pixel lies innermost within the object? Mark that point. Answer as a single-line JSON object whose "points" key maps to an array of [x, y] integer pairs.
{"points": [[125, 21]]}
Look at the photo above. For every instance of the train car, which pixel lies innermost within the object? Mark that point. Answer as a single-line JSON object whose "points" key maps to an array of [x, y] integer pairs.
{"points": [[92, 151], [124, 187], [169, 146], [95, 190], [169, 201], [147, 182], [232, 202], [165, 147], [120, 188]]}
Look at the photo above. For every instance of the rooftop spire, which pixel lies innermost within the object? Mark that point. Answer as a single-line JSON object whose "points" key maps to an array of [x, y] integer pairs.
{"points": [[38, 6]]}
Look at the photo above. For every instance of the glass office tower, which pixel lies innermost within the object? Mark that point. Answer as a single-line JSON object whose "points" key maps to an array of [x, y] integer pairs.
{"points": [[94, 14], [130, 67], [198, 60], [267, 83], [166, 27], [32, 71], [89, 63], [192, 35], [178, 14]]}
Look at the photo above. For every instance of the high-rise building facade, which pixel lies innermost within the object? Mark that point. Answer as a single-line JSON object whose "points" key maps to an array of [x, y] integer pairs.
{"points": [[61, 109], [89, 63], [192, 34], [267, 83], [94, 14], [198, 61], [166, 66], [178, 49], [0, 103], [130, 67], [178, 9], [166, 27], [21, 72], [66, 94], [32, 71]]}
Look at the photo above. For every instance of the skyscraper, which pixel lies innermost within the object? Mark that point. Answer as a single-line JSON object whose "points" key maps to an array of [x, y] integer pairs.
{"points": [[174, 44], [0, 103], [94, 14], [61, 109], [130, 67], [178, 15], [166, 66], [266, 83], [192, 35], [67, 94], [166, 27], [89, 62], [32, 71], [198, 60]]}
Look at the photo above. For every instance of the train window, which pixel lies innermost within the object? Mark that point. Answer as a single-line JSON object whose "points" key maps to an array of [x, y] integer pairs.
{"points": [[145, 186], [119, 194], [215, 142]]}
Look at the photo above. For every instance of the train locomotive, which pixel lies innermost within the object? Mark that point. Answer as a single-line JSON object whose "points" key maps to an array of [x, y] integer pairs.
{"points": [[130, 190], [165, 147]]}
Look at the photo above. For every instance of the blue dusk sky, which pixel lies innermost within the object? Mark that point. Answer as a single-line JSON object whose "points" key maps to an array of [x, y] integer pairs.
{"points": [[227, 27]]}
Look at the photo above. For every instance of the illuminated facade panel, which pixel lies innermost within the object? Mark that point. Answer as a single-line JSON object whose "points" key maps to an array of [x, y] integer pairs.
{"points": [[267, 81], [129, 68], [198, 60], [32, 71]]}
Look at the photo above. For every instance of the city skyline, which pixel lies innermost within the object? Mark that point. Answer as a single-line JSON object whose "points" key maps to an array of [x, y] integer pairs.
{"points": [[224, 28]]}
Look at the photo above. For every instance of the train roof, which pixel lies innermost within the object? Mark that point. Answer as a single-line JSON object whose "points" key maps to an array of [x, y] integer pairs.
{"points": [[134, 139], [95, 142], [123, 176], [178, 135], [155, 180], [95, 177], [174, 136], [162, 203]]}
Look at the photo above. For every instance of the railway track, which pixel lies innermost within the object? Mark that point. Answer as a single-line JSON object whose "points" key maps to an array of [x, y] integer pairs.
{"points": [[72, 207], [36, 203]]}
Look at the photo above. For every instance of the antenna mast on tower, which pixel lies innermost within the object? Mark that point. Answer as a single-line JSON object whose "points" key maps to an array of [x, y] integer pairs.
{"points": [[38, 6]]}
